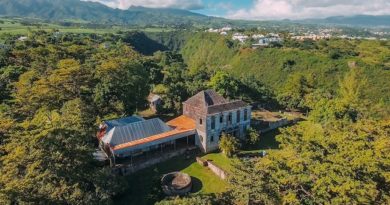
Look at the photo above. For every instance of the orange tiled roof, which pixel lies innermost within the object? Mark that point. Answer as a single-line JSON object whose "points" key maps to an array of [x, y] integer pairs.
{"points": [[180, 124]]}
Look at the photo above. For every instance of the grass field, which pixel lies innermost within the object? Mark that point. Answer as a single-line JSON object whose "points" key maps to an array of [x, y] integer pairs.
{"points": [[144, 182], [220, 160], [13, 26]]}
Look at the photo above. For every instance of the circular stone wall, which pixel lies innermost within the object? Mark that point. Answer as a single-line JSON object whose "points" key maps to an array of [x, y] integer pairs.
{"points": [[176, 183]]}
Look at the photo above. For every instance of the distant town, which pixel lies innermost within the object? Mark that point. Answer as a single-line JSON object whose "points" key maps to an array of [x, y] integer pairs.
{"points": [[266, 38]]}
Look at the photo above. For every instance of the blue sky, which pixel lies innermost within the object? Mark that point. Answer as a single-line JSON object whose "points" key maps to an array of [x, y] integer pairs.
{"points": [[265, 9]]}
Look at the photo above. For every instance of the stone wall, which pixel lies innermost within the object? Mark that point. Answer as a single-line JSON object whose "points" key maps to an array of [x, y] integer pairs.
{"points": [[217, 170], [213, 167]]}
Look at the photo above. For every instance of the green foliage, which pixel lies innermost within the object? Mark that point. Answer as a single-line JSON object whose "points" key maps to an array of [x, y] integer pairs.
{"points": [[293, 93], [253, 136], [199, 199], [75, 11], [8, 75], [229, 145], [173, 87], [338, 163], [49, 161], [249, 185], [349, 105], [297, 70], [54, 93], [224, 84]]}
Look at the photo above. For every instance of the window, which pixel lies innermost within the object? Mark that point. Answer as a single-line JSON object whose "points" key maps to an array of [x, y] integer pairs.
{"points": [[221, 119], [200, 121], [230, 118], [212, 122], [212, 138], [238, 116], [245, 115]]}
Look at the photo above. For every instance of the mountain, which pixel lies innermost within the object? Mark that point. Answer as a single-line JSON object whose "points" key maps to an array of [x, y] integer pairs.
{"points": [[60, 10], [358, 20]]}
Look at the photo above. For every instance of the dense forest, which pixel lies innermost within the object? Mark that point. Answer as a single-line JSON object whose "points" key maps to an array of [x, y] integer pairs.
{"points": [[296, 72], [55, 89]]}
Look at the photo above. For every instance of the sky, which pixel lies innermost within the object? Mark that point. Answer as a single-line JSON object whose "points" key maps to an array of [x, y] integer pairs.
{"points": [[265, 9]]}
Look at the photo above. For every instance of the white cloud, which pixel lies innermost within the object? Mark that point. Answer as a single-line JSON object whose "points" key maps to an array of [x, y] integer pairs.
{"points": [[299, 9], [181, 4]]}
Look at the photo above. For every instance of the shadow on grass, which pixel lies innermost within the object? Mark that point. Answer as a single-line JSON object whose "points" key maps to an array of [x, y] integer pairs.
{"points": [[144, 183], [197, 185]]}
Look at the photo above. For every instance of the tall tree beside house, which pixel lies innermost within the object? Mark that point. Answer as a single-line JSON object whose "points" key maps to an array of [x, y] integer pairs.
{"points": [[253, 136], [228, 145], [46, 152], [224, 84], [49, 160], [121, 86], [173, 88]]}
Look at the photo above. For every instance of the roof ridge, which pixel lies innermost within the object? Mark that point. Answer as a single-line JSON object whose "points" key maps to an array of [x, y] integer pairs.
{"points": [[142, 121], [232, 101]]}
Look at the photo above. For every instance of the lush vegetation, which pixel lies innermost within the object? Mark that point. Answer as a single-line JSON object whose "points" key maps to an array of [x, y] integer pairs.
{"points": [[299, 72], [56, 87], [76, 11], [145, 187]]}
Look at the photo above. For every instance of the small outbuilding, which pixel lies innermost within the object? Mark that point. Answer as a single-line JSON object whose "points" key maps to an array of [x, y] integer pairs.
{"points": [[154, 101]]}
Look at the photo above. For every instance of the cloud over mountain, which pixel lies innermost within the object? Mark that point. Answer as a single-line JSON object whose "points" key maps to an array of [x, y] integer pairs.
{"points": [[299, 9], [180, 4]]}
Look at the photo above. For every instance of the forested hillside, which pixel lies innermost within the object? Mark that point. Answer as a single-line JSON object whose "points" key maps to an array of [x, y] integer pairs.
{"points": [[55, 88], [76, 10], [319, 65]]}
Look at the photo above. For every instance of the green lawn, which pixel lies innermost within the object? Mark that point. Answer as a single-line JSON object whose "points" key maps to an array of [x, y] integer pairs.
{"points": [[220, 160], [143, 183], [13, 26], [267, 141]]}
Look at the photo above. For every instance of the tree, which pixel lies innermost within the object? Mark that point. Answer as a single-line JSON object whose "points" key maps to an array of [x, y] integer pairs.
{"points": [[253, 136], [49, 161], [293, 93], [224, 84], [348, 105], [249, 185], [228, 144], [337, 163], [8, 76]]}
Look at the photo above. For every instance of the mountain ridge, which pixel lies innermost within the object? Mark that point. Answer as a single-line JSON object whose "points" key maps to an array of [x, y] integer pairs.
{"points": [[94, 12]]}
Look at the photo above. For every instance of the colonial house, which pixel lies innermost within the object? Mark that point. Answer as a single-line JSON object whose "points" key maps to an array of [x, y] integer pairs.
{"points": [[205, 117], [214, 115]]}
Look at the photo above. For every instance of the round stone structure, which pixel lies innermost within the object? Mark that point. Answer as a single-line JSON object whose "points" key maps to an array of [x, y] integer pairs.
{"points": [[176, 183]]}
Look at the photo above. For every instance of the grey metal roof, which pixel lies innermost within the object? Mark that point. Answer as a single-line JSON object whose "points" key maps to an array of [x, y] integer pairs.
{"points": [[135, 131], [123, 121]]}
